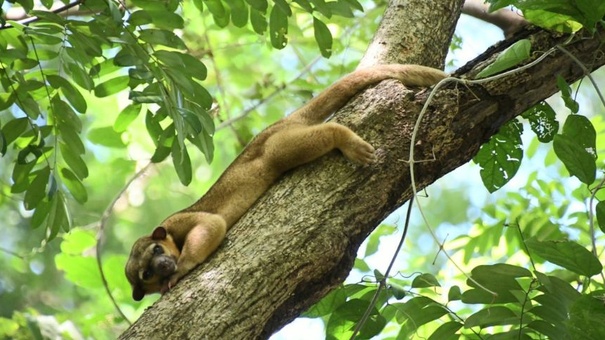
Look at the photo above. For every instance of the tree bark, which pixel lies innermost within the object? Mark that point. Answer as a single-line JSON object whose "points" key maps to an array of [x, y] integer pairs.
{"points": [[300, 239]]}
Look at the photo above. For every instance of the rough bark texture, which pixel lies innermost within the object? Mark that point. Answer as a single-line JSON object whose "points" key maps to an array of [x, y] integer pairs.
{"points": [[300, 239]]}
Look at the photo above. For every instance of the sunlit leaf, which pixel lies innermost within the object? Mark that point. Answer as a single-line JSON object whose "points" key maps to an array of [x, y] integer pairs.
{"points": [[512, 56], [111, 86], [126, 116], [567, 254]]}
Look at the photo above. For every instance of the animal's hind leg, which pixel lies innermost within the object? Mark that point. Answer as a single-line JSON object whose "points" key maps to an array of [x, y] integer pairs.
{"points": [[300, 144]]}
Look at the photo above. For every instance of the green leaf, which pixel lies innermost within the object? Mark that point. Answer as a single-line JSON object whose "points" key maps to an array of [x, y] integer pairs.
{"points": [[446, 331], [499, 278], [73, 96], [600, 212], [512, 56], [500, 158], [567, 254], [191, 66], [492, 316], [417, 312], [182, 163], [566, 95], [323, 37], [106, 136], [37, 189], [454, 294], [278, 27], [58, 216], [14, 128], [126, 116], [81, 270], [343, 320], [258, 21], [74, 185], [543, 121], [328, 304], [425, 280], [586, 317], [576, 148], [73, 160], [162, 37], [40, 214], [111, 86], [374, 239], [259, 5], [78, 241], [80, 76], [239, 12]]}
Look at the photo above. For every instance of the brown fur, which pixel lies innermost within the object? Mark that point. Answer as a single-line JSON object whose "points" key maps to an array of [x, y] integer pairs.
{"points": [[189, 236]]}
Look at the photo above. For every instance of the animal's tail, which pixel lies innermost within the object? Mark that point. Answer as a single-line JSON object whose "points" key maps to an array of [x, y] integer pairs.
{"points": [[336, 96]]}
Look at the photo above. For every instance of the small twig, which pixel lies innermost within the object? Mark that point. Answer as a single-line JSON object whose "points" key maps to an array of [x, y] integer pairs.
{"points": [[383, 281], [102, 224]]}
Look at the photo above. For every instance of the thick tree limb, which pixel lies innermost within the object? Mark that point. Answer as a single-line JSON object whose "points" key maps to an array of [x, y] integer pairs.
{"points": [[300, 239]]}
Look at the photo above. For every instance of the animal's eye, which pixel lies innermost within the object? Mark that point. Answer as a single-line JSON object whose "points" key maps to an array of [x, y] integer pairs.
{"points": [[157, 250], [147, 274]]}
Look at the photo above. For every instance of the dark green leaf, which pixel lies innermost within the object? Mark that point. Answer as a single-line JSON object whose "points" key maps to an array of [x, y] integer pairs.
{"points": [[74, 185], [566, 94], [258, 21], [37, 189], [454, 294], [500, 158], [600, 211], [14, 128], [74, 161], [278, 27], [579, 161], [425, 280], [446, 331], [343, 320], [239, 12], [162, 37], [492, 316], [512, 56], [40, 214], [567, 254], [259, 5], [327, 305], [543, 121], [182, 163], [323, 37]]}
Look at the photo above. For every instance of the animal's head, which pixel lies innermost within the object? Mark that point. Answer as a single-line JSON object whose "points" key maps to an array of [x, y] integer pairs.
{"points": [[152, 261]]}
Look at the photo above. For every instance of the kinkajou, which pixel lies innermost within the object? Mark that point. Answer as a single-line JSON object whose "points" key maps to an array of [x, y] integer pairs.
{"points": [[185, 239]]}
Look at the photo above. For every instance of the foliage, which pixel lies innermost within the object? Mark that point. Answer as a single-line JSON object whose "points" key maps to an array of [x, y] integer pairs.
{"points": [[70, 138]]}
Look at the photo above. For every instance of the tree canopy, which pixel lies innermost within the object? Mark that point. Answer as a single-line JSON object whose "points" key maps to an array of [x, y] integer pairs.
{"points": [[114, 115]]}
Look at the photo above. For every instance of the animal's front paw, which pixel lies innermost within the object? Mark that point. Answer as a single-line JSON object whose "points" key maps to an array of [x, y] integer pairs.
{"points": [[359, 151]]}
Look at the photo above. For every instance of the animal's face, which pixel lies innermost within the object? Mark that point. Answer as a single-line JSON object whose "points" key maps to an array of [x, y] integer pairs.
{"points": [[153, 259]]}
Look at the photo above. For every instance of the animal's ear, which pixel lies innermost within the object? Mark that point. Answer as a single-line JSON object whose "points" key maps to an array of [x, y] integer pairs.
{"points": [[137, 293], [159, 234]]}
